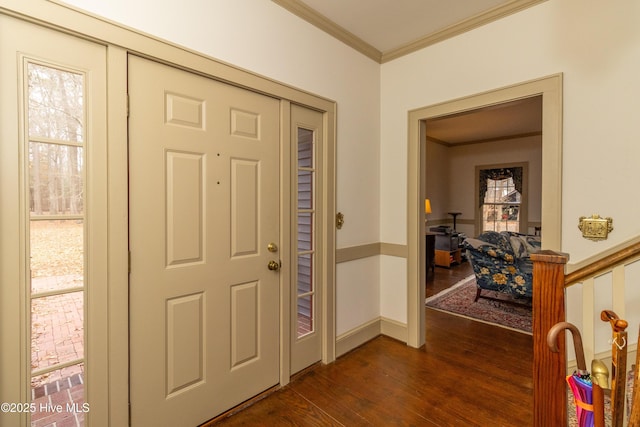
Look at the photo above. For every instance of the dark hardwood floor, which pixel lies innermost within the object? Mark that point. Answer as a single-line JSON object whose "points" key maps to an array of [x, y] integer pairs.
{"points": [[442, 278], [467, 374]]}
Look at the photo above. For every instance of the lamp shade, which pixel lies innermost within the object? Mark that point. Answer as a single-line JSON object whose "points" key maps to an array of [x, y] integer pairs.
{"points": [[427, 206]]}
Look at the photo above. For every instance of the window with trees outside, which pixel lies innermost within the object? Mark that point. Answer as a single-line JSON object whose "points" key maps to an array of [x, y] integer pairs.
{"points": [[501, 199], [56, 117]]}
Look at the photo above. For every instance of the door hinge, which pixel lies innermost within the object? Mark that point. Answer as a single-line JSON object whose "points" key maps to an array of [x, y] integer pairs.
{"points": [[128, 103], [129, 262]]}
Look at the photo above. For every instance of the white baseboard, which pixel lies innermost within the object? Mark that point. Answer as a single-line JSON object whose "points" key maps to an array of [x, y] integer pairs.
{"points": [[394, 329], [368, 331]]}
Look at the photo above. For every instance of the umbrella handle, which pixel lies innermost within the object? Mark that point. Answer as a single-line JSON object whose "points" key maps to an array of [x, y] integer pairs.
{"points": [[552, 342], [617, 324]]}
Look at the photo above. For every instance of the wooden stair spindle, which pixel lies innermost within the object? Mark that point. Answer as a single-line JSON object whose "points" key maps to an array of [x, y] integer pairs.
{"points": [[598, 406], [549, 368], [618, 365], [634, 416]]}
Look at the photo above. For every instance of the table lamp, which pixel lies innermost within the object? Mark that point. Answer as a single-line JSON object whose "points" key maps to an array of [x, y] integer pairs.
{"points": [[427, 208]]}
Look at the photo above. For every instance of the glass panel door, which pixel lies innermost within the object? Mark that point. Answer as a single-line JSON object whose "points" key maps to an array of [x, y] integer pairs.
{"points": [[56, 116], [307, 210], [306, 251]]}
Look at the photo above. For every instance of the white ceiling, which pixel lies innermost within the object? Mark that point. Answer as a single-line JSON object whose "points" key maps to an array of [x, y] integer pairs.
{"points": [[510, 120], [387, 29], [390, 24]]}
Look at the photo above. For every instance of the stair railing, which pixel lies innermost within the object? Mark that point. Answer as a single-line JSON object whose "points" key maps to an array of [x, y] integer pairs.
{"points": [[549, 368], [549, 285]]}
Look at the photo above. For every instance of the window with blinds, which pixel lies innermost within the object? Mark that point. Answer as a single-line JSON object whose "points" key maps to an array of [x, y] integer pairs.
{"points": [[306, 292]]}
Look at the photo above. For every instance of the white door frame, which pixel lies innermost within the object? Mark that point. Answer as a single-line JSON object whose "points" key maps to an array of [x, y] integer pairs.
{"points": [[551, 90], [119, 42], [53, 50], [326, 257]]}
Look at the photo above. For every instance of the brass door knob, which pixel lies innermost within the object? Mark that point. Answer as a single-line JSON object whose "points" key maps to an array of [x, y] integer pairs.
{"points": [[273, 266]]}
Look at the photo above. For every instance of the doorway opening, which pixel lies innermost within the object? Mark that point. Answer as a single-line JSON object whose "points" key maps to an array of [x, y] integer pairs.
{"points": [[550, 90]]}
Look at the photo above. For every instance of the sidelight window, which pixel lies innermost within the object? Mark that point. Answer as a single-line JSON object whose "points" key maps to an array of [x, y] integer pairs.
{"points": [[306, 217], [55, 156]]}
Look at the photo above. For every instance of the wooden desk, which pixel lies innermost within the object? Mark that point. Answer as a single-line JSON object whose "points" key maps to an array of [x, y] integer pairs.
{"points": [[446, 258], [430, 239]]}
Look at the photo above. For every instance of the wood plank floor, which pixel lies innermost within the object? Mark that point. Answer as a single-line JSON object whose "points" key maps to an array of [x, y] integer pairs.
{"points": [[467, 374], [443, 278]]}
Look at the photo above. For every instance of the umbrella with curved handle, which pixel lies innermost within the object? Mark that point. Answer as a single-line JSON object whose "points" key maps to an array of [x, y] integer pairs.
{"points": [[580, 382], [552, 342]]}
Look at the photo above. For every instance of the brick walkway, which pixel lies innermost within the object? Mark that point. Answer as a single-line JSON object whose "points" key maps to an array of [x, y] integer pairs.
{"points": [[57, 336], [59, 403]]}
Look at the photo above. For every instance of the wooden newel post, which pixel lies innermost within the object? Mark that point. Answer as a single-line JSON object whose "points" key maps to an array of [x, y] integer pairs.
{"points": [[549, 368]]}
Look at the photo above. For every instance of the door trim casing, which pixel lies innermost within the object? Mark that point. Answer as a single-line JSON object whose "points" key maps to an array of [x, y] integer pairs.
{"points": [[120, 41], [550, 88]]}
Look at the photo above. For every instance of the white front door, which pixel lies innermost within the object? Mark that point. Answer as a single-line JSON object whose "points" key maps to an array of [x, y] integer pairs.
{"points": [[204, 215]]}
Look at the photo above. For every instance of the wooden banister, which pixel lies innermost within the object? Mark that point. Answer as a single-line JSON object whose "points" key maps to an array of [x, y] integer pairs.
{"points": [[603, 264], [634, 416], [549, 368]]}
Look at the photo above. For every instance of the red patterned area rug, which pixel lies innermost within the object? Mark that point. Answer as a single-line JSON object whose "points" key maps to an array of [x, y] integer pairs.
{"points": [[500, 310]]}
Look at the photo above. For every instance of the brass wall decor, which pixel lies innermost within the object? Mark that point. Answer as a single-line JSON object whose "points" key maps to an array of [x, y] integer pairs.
{"points": [[339, 220], [595, 227]]}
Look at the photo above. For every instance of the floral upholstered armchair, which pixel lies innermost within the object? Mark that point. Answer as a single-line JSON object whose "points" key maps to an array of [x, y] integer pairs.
{"points": [[501, 262]]}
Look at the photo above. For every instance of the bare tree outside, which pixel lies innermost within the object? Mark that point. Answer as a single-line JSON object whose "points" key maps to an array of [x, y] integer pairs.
{"points": [[55, 155], [56, 114]]}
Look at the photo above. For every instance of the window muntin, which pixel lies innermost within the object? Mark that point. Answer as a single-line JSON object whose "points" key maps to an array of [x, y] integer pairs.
{"points": [[501, 206], [305, 249], [55, 157]]}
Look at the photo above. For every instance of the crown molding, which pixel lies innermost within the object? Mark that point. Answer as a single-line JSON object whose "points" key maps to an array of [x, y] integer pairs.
{"points": [[322, 22], [461, 27], [482, 141], [297, 7]]}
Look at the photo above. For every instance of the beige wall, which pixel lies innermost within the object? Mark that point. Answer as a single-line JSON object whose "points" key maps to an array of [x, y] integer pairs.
{"points": [[264, 38], [451, 181], [595, 45]]}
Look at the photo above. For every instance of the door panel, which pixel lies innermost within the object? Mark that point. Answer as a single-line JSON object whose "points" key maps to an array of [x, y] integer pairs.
{"points": [[307, 271], [185, 198], [244, 207], [204, 197], [244, 323], [185, 352]]}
